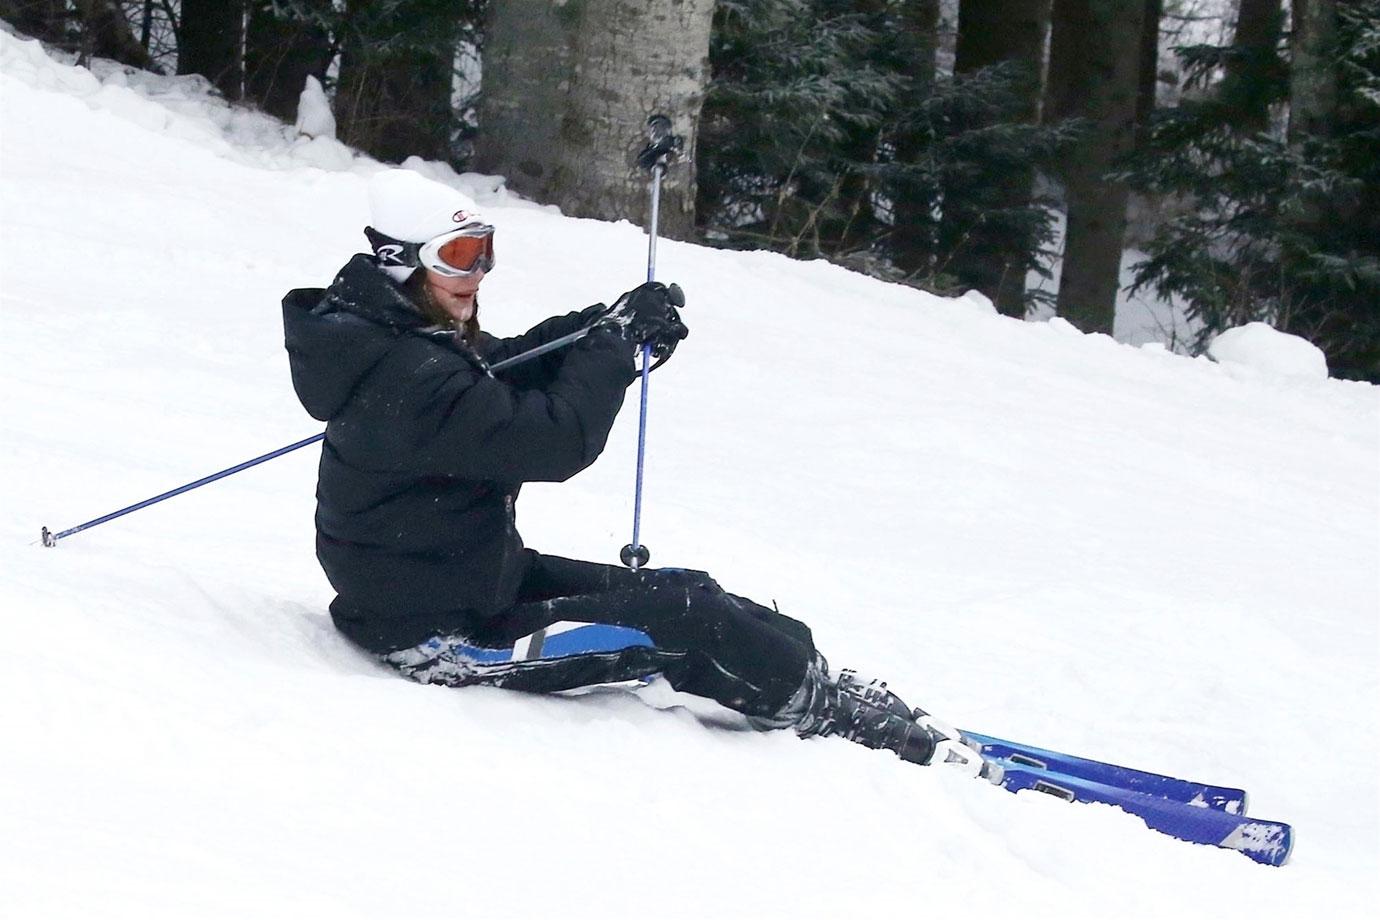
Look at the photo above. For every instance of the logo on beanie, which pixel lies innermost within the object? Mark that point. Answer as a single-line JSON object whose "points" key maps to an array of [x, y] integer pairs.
{"points": [[390, 254], [460, 216]]}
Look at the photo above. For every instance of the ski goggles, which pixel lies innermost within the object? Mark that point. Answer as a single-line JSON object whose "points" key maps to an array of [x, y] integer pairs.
{"points": [[460, 252], [455, 254]]}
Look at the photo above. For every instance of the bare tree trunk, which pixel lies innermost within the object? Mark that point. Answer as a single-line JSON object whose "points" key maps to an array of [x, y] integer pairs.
{"points": [[989, 258], [1070, 22], [396, 103], [567, 91], [280, 53], [1312, 103], [209, 43], [913, 235], [1008, 30], [1313, 79], [1259, 26], [1148, 78], [1100, 84], [146, 24]]}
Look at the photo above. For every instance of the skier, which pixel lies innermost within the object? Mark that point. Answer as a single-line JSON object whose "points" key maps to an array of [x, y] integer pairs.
{"points": [[426, 449]]}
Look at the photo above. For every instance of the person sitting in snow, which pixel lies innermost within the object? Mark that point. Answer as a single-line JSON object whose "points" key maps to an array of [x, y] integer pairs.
{"points": [[426, 449]]}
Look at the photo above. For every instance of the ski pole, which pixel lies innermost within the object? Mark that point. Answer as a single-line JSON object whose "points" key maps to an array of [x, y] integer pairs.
{"points": [[51, 539], [661, 149]]}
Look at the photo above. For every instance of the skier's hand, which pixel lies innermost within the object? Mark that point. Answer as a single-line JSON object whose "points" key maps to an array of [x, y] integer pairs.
{"points": [[648, 314], [665, 342]]}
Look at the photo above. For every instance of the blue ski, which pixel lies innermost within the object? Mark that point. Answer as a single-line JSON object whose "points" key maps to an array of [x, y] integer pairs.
{"points": [[1267, 842], [1196, 812], [1218, 798]]}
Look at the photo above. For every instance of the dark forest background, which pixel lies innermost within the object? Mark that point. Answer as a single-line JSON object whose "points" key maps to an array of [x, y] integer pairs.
{"points": [[932, 143]]}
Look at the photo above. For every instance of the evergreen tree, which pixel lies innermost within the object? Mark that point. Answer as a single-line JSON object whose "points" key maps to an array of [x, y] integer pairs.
{"points": [[792, 117], [991, 228], [826, 133], [286, 41], [397, 69], [1095, 48], [208, 43], [1287, 233], [976, 154]]}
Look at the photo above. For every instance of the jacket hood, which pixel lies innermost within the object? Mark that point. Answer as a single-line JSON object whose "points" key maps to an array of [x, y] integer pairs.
{"points": [[335, 336]]}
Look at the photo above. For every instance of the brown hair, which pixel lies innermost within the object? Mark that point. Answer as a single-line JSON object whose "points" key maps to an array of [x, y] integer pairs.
{"points": [[417, 291]]}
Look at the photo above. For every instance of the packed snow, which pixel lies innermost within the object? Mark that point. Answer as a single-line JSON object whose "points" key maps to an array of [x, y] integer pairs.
{"points": [[1044, 535], [1262, 348]]}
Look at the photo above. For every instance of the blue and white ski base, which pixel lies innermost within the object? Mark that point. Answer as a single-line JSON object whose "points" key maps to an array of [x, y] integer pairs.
{"points": [[1201, 795], [1267, 842]]}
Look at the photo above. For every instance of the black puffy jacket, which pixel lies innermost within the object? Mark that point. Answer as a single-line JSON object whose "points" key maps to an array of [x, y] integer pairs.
{"points": [[425, 450]]}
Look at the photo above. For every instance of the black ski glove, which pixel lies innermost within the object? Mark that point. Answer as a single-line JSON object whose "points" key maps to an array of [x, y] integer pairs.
{"points": [[648, 314]]}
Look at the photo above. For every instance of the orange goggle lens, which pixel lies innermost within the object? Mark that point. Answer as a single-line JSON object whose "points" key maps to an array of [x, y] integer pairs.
{"points": [[468, 253]]}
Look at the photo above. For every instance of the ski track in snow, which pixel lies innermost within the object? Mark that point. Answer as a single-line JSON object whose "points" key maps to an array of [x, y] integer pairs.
{"points": [[1109, 550]]}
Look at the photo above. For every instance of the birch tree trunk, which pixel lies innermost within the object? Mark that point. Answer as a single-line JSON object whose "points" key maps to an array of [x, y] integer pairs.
{"points": [[567, 90]]}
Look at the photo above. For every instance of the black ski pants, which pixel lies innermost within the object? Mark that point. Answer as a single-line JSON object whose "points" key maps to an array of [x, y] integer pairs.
{"points": [[676, 622]]}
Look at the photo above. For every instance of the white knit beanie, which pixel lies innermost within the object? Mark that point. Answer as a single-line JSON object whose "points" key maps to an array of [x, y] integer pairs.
{"points": [[414, 209]]}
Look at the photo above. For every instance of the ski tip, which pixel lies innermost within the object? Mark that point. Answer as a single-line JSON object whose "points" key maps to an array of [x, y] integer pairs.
{"points": [[1268, 842]]}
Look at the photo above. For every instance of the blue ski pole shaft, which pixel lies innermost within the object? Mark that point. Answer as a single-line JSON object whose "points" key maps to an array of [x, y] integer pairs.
{"points": [[637, 556], [641, 459], [540, 350], [663, 147], [51, 539]]}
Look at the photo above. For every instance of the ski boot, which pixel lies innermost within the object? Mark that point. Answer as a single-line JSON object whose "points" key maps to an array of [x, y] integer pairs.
{"points": [[861, 711], [946, 742]]}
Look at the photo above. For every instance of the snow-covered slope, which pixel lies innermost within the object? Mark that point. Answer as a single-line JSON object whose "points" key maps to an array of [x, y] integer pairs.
{"points": [[1031, 532]]}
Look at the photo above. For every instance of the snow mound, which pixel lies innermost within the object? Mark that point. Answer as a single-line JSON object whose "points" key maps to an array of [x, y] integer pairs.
{"points": [[979, 302], [314, 115], [188, 108], [1265, 349]]}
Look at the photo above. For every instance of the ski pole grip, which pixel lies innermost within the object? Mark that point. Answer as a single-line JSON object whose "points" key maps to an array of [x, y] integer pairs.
{"points": [[662, 147]]}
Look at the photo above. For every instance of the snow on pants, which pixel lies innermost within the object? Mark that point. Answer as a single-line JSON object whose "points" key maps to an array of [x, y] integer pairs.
{"points": [[676, 622]]}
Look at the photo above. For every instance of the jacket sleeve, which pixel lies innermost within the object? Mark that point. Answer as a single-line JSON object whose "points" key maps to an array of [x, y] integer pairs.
{"points": [[453, 421], [540, 371]]}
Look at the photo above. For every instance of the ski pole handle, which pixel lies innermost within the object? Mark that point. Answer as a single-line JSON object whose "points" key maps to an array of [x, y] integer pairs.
{"points": [[662, 146]]}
